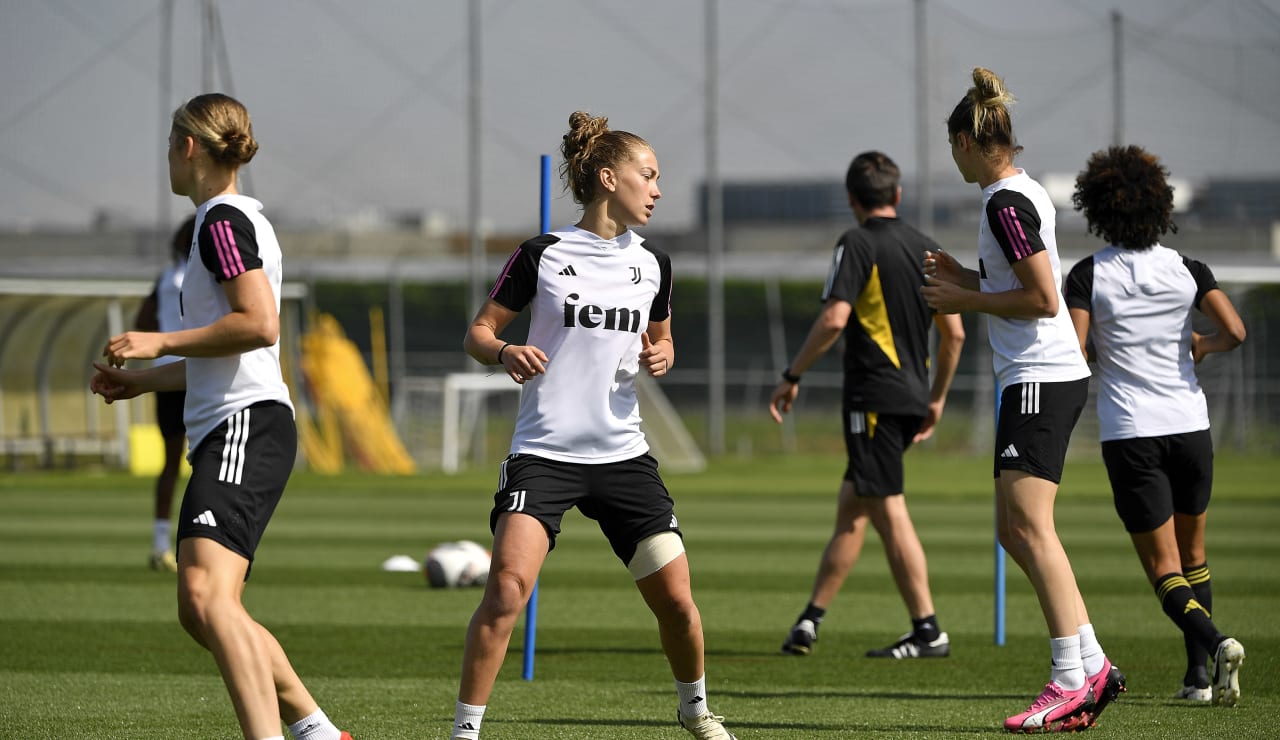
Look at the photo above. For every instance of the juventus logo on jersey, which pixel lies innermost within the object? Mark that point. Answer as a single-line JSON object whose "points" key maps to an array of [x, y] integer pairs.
{"points": [[635, 274]]}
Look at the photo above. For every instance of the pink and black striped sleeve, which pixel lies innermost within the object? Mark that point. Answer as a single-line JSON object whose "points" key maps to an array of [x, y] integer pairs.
{"points": [[518, 280], [228, 245], [1015, 223]]}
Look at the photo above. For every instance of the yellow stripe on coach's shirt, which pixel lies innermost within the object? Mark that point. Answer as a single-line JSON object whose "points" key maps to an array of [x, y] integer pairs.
{"points": [[874, 317]]}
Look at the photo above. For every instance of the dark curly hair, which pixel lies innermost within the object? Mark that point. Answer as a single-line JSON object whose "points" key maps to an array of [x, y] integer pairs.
{"points": [[1125, 195]]}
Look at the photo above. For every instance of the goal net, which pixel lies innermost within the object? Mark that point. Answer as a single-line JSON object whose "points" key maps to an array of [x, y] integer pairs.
{"points": [[452, 421]]}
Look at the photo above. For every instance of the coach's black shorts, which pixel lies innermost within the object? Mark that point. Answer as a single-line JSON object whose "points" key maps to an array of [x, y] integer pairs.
{"points": [[1036, 420], [238, 473], [627, 499], [1153, 477], [875, 444], [169, 413]]}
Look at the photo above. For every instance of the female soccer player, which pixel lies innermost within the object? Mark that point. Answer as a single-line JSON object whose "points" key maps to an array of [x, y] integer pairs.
{"points": [[160, 312], [238, 416], [599, 298], [1134, 300], [1044, 381]]}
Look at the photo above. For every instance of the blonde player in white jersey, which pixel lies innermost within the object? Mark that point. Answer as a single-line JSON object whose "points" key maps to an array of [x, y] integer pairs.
{"points": [[1131, 304], [1044, 383], [600, 313], [162, 311], [239, 420]]}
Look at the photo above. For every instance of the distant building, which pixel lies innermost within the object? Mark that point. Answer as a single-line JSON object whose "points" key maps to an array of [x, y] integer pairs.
{"points": [[1236, 201]]}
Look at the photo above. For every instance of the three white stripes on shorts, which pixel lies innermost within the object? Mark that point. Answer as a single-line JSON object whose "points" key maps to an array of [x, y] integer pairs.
{"points": [[232, 469], [517, 497], [1030, 398]]}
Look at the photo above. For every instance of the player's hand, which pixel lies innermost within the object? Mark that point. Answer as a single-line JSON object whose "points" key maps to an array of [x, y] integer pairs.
{"points": [[1197, 347], [133, 345], [653, 357], [943, 266], [784, 394], [944, 297], [113, 384], [524, 361], [930, 422]]}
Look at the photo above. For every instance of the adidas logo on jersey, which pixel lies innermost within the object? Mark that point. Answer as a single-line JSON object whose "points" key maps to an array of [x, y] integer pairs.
{"points": [[1009, 452], [568, 271], [206, 518]]}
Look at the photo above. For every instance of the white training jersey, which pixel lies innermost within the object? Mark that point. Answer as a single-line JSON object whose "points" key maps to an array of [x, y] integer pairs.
{"points": [[1018, 220], [1139, 303], [232, 237], [590, 298], [168, 294]]}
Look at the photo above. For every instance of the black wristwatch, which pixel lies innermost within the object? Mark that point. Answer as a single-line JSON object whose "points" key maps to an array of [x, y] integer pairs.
{"points": [[787, 376]]}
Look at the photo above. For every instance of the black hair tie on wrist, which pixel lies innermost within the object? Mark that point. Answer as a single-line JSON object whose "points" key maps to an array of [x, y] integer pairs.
{"points": [[787, 376], [500, 351]]}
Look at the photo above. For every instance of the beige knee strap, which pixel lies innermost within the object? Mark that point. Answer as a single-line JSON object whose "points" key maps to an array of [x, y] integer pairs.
{"points": [[654, 552]]}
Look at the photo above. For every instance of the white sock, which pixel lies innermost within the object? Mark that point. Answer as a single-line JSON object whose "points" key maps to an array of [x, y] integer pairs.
{"points": [[1091, 651], [466, 721], [693, 697], [274, 737], [314, 727], [1068, 669], [160, 535]]}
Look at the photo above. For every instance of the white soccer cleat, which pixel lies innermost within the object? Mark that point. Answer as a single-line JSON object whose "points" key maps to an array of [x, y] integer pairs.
{"points": [[706, 727], [164, 560], [1226, 672], [1195, 693]]}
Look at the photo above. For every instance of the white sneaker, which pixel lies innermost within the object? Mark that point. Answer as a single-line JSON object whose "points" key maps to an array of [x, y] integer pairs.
{"points": [[1194, 693], [706, 727], [1226, 672]]}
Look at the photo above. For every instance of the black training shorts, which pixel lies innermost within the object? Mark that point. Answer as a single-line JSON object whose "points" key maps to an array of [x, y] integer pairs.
{"points": [[875, 444], [169, 405], [627, 498], [238, 473], [1036, 421], [1153, 477]]}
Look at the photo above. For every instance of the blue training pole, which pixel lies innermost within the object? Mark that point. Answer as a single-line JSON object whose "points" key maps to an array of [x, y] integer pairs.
{"points": [[531, 610], [1000, 558]]}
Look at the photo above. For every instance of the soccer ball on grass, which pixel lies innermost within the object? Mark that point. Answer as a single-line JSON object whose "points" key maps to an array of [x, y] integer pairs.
{"points": [[456, 565]]}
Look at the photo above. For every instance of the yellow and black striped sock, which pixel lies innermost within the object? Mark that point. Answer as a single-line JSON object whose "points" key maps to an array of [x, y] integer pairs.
{"points": [[1197, 655], [1179, 602]]}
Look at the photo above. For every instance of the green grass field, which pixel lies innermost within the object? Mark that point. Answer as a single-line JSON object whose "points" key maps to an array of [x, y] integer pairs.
{"points": [[90, 646]]}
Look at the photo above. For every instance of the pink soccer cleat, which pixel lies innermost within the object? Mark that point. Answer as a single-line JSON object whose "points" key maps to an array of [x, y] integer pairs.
{"points": [[1055, 710]]}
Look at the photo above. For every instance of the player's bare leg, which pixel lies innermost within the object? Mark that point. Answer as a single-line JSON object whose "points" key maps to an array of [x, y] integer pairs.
{"points": [[844, 547], [210, 584], [904, 552], [838, 558], [519, 550], [668, 594], [670, 598]]}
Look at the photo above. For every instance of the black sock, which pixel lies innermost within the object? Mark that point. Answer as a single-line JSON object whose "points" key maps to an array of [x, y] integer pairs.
{"points": [[1179, 602], [813, 614], [926, 629], [1197, 656]]}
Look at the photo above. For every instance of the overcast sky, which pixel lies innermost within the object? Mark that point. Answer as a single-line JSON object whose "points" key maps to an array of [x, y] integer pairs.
{"points": [[361, 107]]}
